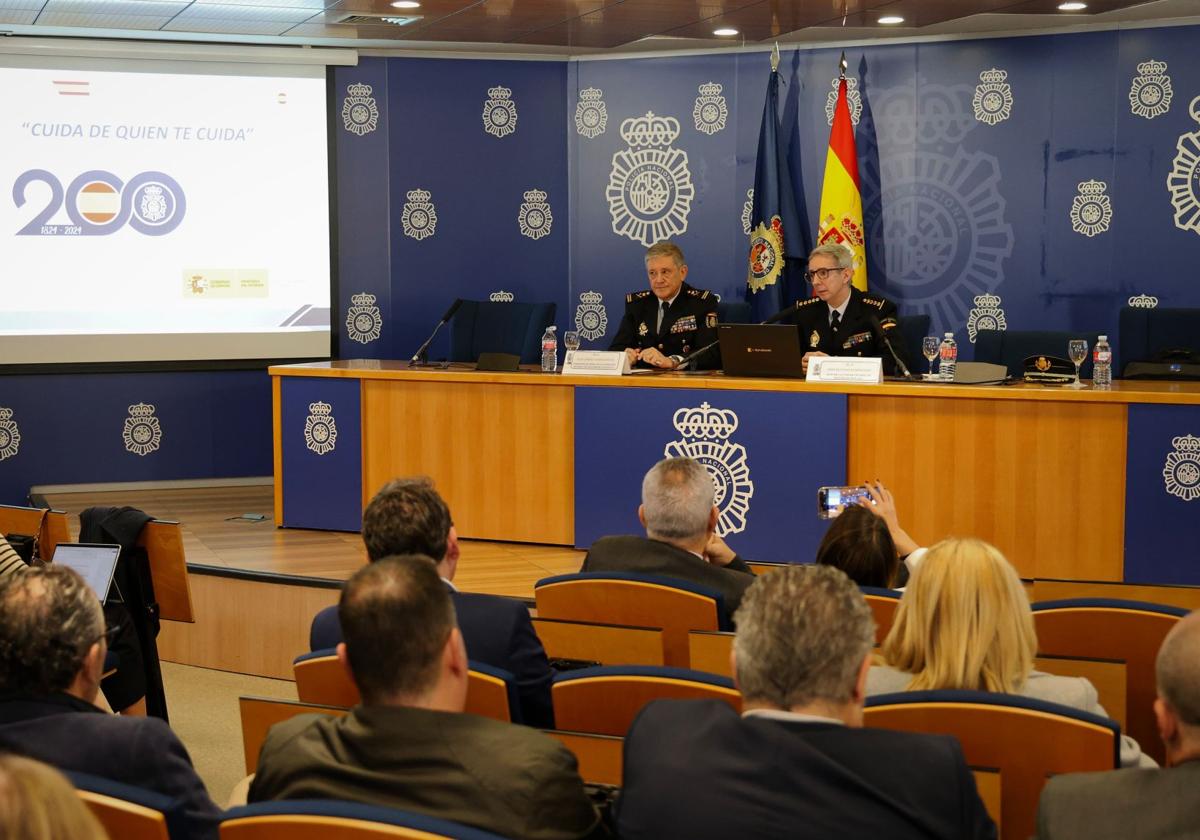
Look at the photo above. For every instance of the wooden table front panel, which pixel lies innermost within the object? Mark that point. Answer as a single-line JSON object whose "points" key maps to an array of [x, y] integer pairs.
{"points": [[1042, 481], [502, 455]]}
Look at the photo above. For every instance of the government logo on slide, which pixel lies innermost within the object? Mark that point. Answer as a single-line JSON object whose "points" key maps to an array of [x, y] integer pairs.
{"points": [[706, 431], [100, 203]]}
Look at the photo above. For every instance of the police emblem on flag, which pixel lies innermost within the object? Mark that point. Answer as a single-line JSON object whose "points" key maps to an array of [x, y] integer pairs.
{"points": [[1091, 209], [706, 431], [650, 188], [320, 429], [1143, 301], [591, 318], [363, 321], [10, 435], [853, 100], [359, 113], [591, 117], [534, 217], [142, 433], [499, 112], [1183, 180], [987, 315], [501, 296], [1150, 91], [1181, 472], [748, 211], [710, 112], [766, 255], [993, 99], [419, 216]]}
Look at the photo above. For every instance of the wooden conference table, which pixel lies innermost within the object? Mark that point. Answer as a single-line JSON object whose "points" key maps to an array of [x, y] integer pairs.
{"points": [[1069, 484]]}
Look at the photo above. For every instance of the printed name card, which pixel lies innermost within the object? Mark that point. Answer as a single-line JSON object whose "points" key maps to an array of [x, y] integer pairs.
{"points": [[845, 369], [596, 362]]}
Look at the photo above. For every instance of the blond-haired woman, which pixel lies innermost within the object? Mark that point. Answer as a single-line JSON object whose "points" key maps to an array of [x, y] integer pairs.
{"points": [[38, 803], [965, 623]]}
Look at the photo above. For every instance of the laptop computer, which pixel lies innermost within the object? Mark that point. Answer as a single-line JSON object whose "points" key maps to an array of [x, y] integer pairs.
{"points": [[761, 350], [95, 563]]}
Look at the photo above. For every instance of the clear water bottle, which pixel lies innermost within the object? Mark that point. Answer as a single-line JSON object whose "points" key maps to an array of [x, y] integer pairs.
{"points": [[1102, 364], [948, 358], [549, 350]]}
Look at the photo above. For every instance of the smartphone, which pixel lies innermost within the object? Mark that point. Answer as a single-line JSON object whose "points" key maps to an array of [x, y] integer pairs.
{"points": [[833, 500]]}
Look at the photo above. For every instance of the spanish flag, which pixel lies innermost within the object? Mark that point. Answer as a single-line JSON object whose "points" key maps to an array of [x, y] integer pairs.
{"points": [[841, 219]]}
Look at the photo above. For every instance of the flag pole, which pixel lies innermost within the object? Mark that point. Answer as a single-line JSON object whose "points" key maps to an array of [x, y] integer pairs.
{"points": [[775, 58]]}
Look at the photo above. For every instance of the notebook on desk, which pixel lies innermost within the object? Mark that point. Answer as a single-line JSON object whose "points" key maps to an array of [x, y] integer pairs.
{"points": [[761, 350]]}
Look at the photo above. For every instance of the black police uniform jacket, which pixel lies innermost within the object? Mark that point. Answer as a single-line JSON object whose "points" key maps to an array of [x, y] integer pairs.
{"points": [[855, 336], [690, 323]]}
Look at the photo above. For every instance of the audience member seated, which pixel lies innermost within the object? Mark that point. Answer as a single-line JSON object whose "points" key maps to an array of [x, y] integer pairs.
{"points": [[964, 622], [872, 549], [38, 803], [1150, 804], [409, 517], [10, 562], [409, 745], [52, 647], [680, 519], [797, 761]]}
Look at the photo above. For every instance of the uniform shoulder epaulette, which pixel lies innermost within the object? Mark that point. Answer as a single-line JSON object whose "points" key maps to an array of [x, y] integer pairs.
{"points": [[632, 296], [873, 301], [698, 293], [807, 301]]}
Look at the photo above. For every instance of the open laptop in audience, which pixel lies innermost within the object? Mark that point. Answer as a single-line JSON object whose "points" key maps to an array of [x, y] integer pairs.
{"points": [[95, 562]]}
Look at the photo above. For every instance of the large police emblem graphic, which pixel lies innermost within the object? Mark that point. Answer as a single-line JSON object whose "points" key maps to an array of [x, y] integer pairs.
{"points": [[419, 216], [591, 117], [320, 429], [499, 112], [748, 211], [987, 315], [1183, 180], [706, 431], [534, 217], [853, 100], [363, 321], [142, 433], [591, 318], [359, 113], [1181, 473], [1150, 91], [650, 188], [993, 100], [1091, 209], [10, 434], [501, 296], [710, 112], [1143, 301], [945, 114]]}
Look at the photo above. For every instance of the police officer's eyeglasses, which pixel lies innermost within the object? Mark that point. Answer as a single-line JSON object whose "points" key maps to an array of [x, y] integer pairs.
{"points": [[821, 274]]}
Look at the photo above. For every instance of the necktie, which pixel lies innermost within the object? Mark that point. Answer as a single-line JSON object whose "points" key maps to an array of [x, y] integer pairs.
{"points": [[663, 309], [835, 321]]}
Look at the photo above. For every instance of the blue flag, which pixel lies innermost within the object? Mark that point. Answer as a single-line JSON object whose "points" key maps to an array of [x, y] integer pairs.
{"points": [[779, 238]]}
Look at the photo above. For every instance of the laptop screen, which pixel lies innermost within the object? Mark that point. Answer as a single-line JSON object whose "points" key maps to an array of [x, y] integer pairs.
{"points": [[95, 563]]}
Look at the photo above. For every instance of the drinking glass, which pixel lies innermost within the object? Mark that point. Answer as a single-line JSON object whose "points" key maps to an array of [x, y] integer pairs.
{"points": [[1077, 348], [571, 340], [929, 349]]}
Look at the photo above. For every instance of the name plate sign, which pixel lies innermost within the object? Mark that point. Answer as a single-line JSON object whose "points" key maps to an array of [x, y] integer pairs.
{"points": [[596, 362], [845, 369]]}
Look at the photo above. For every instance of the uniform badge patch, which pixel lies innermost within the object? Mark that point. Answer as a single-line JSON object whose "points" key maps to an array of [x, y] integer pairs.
{"points": [[814, 339], [710, 320], [643, 329]]}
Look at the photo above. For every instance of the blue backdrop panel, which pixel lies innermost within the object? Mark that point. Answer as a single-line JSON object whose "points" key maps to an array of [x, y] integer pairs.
{"points": [[1162, 495], [766, 483], [322, 484]]}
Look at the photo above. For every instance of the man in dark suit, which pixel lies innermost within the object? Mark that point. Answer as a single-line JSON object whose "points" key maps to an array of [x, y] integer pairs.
{"points": [[409, 745], [797, 761], [840, 320], [666, 322], [680, 519], [1141, 802], [409, 517], [52, 648]]}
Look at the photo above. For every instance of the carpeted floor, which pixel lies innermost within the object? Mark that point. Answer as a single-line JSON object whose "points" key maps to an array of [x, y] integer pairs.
{"points": [[203, 705]]}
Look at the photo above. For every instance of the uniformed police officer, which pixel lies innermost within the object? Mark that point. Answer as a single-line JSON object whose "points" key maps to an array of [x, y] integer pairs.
{"points": [[838, 321], [666, 322]]}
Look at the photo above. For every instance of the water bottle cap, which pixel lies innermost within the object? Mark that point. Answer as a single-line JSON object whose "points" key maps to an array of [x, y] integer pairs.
{"points": [[551, 328], [1104, 338], [949, 335]]}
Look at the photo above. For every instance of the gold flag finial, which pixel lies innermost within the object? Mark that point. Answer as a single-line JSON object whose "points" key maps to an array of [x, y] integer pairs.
{"points": [[842, 66], [775, 58]]}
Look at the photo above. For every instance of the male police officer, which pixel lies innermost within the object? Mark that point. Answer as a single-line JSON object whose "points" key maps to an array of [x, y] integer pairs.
{"points": [[666, 322]]}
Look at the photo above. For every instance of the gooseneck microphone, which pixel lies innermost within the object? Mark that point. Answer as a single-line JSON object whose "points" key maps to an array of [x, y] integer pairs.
{"points": [[880, 329], [419, 357]]}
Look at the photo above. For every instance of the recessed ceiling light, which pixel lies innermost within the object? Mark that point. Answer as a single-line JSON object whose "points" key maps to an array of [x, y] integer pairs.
{"points": [[406, 4], [725, 32], [891, 20], [1072, 7]]}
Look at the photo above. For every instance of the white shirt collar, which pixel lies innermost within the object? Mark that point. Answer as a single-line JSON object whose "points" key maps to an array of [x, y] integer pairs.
{"points": [[672, 300], [792, 717], [840, 310]]}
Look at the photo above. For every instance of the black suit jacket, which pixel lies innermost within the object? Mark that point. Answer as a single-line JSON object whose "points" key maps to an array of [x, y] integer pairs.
{"points": [[696, 769], [690, 324], [70, 734], [651, 557], [856, 335], [497, 632]]}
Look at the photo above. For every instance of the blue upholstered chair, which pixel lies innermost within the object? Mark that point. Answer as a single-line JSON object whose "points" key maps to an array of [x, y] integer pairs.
{"points": [[734, 312], [128, 812], [1142, 333], [914, 328], [311, 818], [1011, 347], [487, 327]]}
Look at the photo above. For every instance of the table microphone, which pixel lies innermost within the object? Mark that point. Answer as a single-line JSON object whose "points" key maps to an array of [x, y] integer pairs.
{"points": [[418, 357], [880, 328]]}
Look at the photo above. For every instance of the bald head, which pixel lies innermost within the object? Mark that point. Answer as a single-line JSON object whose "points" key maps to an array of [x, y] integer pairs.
{"points": [[1178, 670]]}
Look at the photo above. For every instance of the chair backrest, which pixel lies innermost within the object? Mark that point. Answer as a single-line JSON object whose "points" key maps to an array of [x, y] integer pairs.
{"points": [[600, 757], [709, 651], [1025, 740], [128, 812], [1011, 347], [322, 819], [492, 693], [674, 605], [883, 604], [605, 700], [1108, 676], [1142, 333], [762, 568], [48, 525], [608, 644], [914, 328], [163, 541], [1109, 628], [259, 714], [733, 312], [488, 327]]}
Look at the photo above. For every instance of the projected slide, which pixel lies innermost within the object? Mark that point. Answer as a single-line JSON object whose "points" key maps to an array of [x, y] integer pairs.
{"points": [[162, 216]]}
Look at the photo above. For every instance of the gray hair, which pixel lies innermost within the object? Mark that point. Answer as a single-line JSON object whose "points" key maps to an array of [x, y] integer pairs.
{"points": [[802, 635], [843, 255], [677, 499], [666, 248], [1177, 669]]}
